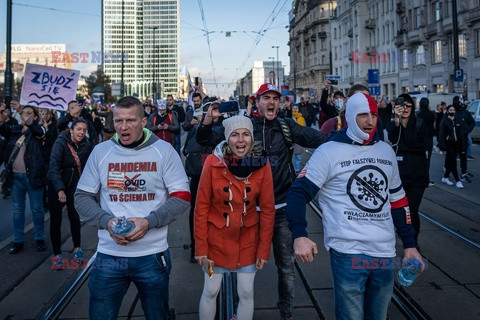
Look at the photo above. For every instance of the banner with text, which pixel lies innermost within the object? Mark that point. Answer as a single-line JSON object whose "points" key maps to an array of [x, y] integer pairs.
{"points": [[49, 87]]}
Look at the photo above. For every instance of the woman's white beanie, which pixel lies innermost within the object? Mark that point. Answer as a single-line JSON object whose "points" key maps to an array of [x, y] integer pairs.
{"points": [[238, 122]]}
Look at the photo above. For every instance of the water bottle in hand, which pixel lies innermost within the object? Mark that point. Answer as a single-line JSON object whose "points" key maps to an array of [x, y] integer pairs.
{"points": [[409, 272], [122, 226]]}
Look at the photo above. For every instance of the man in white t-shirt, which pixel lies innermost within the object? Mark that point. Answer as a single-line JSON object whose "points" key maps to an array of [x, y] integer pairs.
{"points": [[363, 203], [141, 177]]}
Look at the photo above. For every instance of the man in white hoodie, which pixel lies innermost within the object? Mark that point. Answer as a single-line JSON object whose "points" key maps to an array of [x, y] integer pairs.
{"points": [[141, 177]]}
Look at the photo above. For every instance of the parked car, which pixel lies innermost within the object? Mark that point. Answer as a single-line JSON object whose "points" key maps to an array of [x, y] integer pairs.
{"points": [[474, 109]]}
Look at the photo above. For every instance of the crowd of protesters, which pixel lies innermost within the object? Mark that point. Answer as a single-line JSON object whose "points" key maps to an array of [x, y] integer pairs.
{"points": [[228, 161]]}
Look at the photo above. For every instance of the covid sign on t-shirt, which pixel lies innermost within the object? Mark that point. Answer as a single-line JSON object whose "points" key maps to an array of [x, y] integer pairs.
{"points": [[130, 181]]}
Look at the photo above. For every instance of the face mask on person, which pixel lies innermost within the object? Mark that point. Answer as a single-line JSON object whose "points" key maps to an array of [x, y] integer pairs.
{"points": [[339, 103], [451, 114]]}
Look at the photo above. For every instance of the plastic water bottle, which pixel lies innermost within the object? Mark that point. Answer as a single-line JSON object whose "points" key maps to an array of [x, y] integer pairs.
{"points": [[409, 272], [122, 226]]}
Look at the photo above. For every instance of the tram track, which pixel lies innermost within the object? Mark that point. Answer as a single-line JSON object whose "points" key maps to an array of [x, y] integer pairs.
{"points": [[400, 298]]}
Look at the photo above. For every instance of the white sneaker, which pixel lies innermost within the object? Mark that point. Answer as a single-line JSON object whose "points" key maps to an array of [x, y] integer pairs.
{"points": [[459, 185], [447, 181]]}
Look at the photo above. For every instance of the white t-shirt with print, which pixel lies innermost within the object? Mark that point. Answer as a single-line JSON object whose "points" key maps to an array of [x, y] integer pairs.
{"points": [[357, 184], [133, 183]]}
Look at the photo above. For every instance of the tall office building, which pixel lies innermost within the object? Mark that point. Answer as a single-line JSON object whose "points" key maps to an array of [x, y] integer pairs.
{"points": [[149, 41]]}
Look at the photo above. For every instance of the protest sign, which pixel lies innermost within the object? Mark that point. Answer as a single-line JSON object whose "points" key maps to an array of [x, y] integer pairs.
{"points": [[49, 87]]}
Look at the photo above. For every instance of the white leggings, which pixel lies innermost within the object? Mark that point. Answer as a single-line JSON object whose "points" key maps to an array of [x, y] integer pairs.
{"points": [[211, 287]]}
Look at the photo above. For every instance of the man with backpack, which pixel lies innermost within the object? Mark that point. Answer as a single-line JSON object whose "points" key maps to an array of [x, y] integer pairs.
{"points": [[277, 136]]}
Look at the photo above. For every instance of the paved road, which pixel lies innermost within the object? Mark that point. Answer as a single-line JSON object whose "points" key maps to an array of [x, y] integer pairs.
{"points": [[28, 285]]}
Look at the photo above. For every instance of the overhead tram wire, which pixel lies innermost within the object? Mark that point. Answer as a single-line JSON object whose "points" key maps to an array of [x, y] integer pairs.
{"points": [[207, 34], [261, 34], [55, 9]]}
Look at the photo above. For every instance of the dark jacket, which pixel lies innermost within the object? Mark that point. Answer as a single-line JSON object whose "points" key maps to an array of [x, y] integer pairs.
{"points": [[34, 163], [385, 114], [410, 145], [328, 109], [4, 144], [465, 118], [63, 122], [428, 118], [271, 136], [50, 136], [195, 154], [108, 116], [450, 130], [180, 112], [63, 172]]}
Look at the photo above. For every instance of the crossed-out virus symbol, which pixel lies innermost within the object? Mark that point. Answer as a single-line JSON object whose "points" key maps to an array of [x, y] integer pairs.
{"points": [[367, 188]]}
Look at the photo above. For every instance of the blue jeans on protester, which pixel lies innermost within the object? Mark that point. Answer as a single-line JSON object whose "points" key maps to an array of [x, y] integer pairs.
{"points": [[177, 143], [20, 188], [111, 277], [285, 262], [362, 289]]}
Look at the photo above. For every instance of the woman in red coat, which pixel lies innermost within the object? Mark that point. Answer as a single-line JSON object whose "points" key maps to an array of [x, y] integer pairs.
{"points": [[228, 229]]}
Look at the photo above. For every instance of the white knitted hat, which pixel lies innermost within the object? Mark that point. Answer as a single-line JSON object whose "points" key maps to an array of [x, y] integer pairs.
{"points": [[238, 122]]}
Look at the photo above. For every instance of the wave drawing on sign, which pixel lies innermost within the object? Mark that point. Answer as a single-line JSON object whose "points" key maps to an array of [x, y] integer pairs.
{"points": [[47, 102]]}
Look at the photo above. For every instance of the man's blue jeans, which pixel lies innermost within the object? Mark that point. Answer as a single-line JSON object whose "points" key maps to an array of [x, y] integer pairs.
{"points": [[362, 286], [285, 262], [20, 188], [177, 142], [111, 277]]}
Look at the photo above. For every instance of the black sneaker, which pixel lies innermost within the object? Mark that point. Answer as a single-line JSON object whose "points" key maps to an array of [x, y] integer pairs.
{"points": [[469, 174], [470, 158], [16, 248], [40, 245], [465, 178]]}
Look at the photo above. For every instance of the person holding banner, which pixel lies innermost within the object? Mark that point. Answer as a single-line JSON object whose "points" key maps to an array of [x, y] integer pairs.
{"points": [[25, 173]]}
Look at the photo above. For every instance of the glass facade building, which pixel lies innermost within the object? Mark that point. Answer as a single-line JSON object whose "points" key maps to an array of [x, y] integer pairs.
{"points": [[149, 42]]}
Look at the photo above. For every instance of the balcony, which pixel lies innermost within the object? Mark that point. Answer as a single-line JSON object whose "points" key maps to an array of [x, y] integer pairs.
{"points": [[370, 24], [400, 8], [371, 49], [350, 33], [414, 37], [322, 34], [430, 30], [473, 16]]}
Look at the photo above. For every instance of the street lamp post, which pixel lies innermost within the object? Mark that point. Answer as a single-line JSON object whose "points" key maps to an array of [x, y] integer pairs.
{"points": [[273, 67], [8, 63], [278, 67], [154, 80], [122, 80]]}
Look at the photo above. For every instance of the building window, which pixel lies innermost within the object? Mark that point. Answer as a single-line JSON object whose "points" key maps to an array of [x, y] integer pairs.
{"points": [[462, 46], [322, 12], [438, 11], [477, 42], [420, 55], [404, 58], [418, 18], [437, 51]]}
